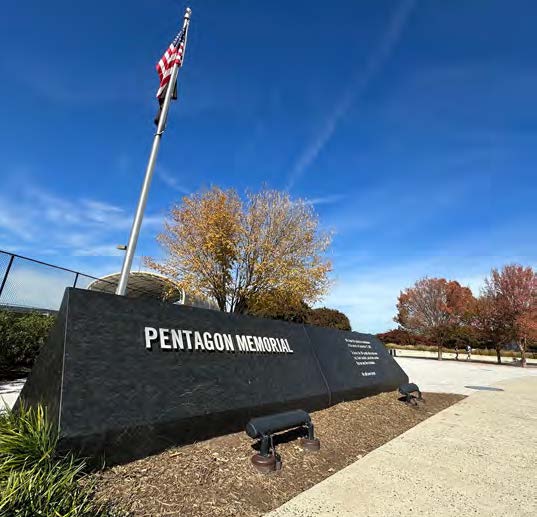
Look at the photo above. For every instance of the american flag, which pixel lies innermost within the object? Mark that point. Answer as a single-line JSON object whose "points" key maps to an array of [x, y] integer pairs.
{"points": [[173, 54]]}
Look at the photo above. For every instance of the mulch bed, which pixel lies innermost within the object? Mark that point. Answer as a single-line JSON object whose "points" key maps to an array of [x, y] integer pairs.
{"points": [[216, 478]]}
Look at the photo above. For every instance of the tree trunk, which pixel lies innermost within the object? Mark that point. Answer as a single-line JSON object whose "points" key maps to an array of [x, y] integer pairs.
{"points": [[499, 355], [522, 346], [221, 304], [240, 306], [439, 352]]}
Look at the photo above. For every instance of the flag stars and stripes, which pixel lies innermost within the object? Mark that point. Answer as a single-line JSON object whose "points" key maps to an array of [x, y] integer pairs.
{"points": [[172, 56]]}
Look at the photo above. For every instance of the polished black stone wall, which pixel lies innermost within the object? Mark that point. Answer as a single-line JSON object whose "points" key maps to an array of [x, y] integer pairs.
{"points": [[117, 398], [342, 356]]}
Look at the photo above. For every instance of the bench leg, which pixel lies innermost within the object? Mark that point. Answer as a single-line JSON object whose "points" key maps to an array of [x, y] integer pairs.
{"points": [[265, 462], [265, 445], [310, 443]]}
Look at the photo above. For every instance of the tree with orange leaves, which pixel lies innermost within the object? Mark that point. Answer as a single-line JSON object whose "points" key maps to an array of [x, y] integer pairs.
{"points": [[513, 296], [491, 330], [433, 307], [527, 325], [241, 252]]}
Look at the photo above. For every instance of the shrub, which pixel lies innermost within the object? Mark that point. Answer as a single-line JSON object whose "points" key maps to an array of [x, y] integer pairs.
{"points": [[277, 307], [449, 338], [26, 439], [34, 480], [21, 337], [331, 318], [402, 338], [51, 489]]}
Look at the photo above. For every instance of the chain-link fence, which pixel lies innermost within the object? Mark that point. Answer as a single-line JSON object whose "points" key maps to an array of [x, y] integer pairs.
{"points": [[28, 284]]}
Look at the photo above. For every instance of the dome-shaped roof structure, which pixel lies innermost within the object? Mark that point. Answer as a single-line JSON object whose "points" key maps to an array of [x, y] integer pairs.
{"points": [[142, 284]]}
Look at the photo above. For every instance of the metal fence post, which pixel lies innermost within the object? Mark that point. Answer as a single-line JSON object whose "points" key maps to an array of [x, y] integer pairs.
{"points": [[4, 280]]}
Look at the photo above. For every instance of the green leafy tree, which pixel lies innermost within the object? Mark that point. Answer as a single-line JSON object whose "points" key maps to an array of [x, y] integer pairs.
{"points": [[21, 337]]}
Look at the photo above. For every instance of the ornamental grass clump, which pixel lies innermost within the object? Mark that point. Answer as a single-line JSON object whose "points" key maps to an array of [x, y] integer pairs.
{"points": [[34, 480]]}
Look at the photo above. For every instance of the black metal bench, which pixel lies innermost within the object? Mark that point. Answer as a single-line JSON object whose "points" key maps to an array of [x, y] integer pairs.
{"points": [[264, 427]]}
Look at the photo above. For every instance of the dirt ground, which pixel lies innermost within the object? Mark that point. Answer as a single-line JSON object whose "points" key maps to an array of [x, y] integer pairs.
{"points": [[215, 478]]}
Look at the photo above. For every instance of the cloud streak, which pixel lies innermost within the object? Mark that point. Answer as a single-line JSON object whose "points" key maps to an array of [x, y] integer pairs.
{"points": [[357, 88], [367, 290], [171, 181], [368, 295], [325, 200], [77, 227]]}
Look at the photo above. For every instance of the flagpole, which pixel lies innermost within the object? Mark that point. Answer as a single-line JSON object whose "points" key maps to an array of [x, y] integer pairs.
{"points": [[137, 223]]}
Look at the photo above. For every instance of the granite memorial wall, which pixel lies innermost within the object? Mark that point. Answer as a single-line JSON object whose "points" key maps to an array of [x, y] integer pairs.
{"points": [[123, 378]]}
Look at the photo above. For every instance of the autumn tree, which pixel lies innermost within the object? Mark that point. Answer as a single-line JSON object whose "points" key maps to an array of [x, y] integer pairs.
{"points": [[491, 328], [433, 308], [237, 251], [527, 324], [512, 295]]}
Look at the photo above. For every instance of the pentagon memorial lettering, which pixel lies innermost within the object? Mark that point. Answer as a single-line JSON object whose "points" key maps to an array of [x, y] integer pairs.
{"points": [[179, 339]]}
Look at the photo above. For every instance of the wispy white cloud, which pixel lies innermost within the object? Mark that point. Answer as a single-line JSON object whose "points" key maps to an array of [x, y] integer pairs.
{"points": [[369, 295], [325, 200], [67, 85], [99, 206], [98, 250], [171, 180], [51, 223], [367, 290], [356, 89], [13, 221]]}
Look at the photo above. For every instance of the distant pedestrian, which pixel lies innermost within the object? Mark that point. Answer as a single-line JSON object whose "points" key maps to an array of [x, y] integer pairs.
{"points": [[468, 352], [456, 352]]}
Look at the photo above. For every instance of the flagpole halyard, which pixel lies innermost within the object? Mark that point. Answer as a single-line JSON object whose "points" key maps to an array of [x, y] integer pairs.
{"points": [[138, 218]]}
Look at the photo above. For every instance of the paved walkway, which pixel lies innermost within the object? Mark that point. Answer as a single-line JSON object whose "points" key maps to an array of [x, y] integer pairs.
{"points": [[404, 352], [476, 458], [9, 392], [464, 377]]}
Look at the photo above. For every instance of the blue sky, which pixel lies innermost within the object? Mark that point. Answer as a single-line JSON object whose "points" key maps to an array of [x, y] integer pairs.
{"points": [[409, 124]]}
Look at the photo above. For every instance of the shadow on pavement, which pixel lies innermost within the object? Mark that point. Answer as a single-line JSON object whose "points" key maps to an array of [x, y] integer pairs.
{"points": [[484, 388]]}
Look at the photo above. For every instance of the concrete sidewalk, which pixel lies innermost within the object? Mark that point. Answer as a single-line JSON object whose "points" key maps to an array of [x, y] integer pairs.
{"points": [[9, 392], [459, 376], [476, 458]]}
